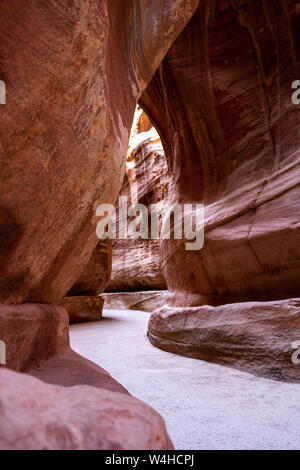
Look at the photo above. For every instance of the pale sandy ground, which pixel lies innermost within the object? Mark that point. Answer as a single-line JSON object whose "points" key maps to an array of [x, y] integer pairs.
{"points": [[205, 406]]}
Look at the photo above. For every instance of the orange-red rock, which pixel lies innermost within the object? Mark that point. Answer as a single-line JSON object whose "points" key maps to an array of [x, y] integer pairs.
{"points": [[147, 301], [37, 342], [82, 308], [73, 72], [221, 101], [83, 303], [253, 336], [136, 263], [97, 273], [39, 416], [84, 408]]}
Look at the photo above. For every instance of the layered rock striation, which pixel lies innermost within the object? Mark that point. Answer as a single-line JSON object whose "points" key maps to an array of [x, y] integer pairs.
{"points": [[136, 262], [64, 401], [83, 303], [73, 72], [222, 103]]}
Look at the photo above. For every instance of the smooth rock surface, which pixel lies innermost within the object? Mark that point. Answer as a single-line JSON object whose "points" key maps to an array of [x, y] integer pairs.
{"points": [[222, 103], [253, 336], [146, 301], [205, 405], [73, 72], [48, 417], [37, 342], [64, 401], [82, 309], [96, 274], [33, 333], [136, 262]]}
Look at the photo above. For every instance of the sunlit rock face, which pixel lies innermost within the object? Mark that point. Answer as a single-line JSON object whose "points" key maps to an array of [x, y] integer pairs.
{"points": [[147, 301], [136, 262], [73, 72], [222, 103]]}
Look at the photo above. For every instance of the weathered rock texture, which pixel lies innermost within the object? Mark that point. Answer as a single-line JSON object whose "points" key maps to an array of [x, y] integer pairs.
{"points": [[83, 303], [83, 309], [73, 72], [253, 336], [147, 301], [37, 342], [32, 333], [221, 101], [136, 263], [96, 412], [96, 274], [48, 417]]}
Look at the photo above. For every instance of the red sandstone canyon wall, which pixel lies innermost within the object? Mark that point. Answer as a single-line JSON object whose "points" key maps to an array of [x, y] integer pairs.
{"points": [[66, 402], [136, 263], [221, 101], [83, 303], [73, 72]]}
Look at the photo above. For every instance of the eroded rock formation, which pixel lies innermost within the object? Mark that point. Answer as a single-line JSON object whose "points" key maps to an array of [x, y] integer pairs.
{"points": [[107, 417], [103, 420], [254, 336], [83, 303], [83, 308], [73, 72], [136, 263], [147, 301], [221, 101], [97, 273], [37, 342]]}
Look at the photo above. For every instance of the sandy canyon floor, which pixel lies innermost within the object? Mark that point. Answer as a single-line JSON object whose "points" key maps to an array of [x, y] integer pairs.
{"points": [[205, 406]]}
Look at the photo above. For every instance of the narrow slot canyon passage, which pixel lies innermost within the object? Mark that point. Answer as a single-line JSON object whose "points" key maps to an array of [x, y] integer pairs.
{"points": [[205, 405], [150, 225]]}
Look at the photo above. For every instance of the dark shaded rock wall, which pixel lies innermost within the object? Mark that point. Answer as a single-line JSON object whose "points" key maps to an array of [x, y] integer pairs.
{"points": [[73, 71], [221, 101]]}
